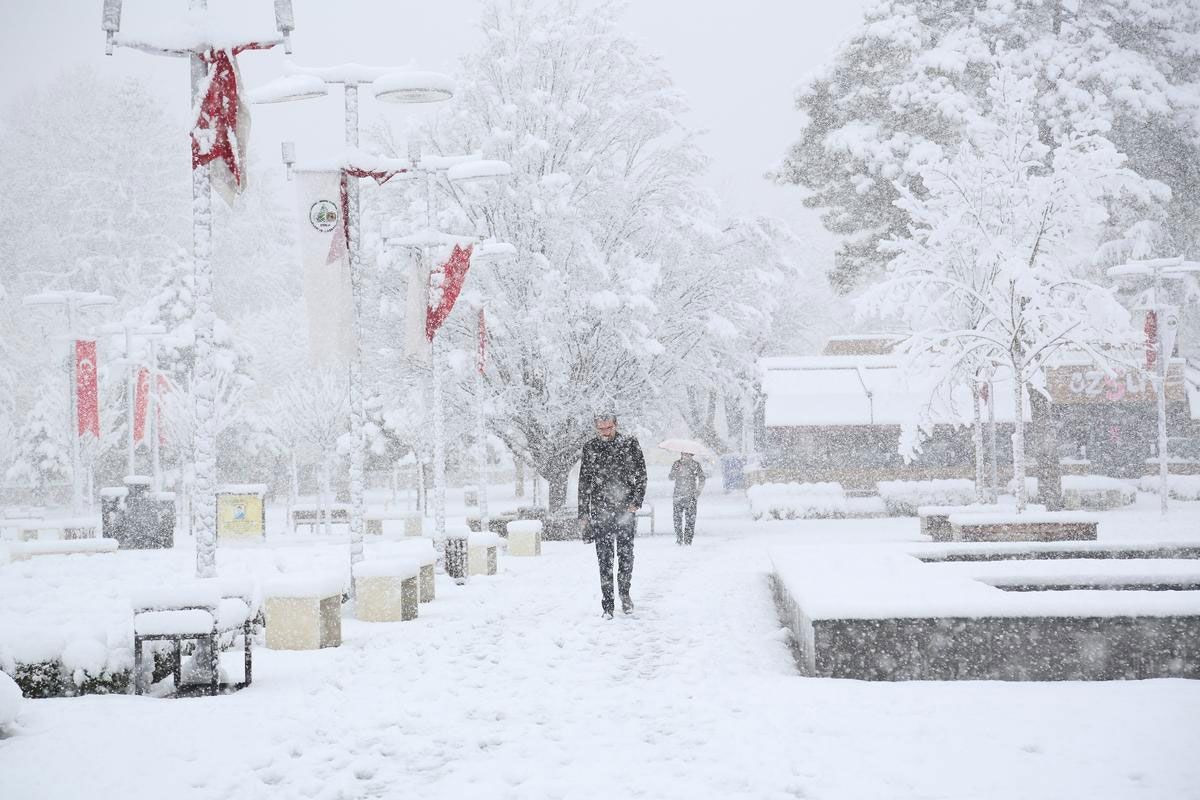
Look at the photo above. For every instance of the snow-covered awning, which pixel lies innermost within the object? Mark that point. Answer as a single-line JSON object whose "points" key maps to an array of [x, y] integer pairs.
{"points": [[862, 390]]}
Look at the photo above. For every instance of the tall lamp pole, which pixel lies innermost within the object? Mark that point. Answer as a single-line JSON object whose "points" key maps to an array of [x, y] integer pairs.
{"points": [[1165, 322], [73, 303], [204, 387], [149, 333], [302, 83]]}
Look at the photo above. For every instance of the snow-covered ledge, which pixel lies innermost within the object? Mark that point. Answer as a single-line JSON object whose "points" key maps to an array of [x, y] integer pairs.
{"points": [[1029, 526]]}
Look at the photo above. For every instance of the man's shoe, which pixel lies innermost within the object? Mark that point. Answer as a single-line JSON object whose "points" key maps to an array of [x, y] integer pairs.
{"points": [[606, 615], [626, 604]]}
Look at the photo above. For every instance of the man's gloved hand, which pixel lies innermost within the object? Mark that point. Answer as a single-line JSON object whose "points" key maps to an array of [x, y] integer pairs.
{"points": [[585, 531]]}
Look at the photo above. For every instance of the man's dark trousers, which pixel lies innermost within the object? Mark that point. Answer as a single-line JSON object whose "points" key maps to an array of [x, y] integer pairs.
{"points": [[614, 532], [685, 519]]}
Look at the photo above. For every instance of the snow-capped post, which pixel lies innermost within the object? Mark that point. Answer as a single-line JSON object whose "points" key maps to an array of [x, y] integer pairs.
{"points": [[219, 134], [82, 369], [1162, 322], [302, 83], [136, 400], [434, 292]]}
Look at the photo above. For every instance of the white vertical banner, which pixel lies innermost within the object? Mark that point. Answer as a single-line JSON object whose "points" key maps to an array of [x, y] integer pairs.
{"points": [[326, 263], [416, 310]]}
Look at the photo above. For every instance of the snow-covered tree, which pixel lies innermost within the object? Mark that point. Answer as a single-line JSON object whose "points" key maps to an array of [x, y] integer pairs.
{"points": [[992, 271], [899, 92], [627, 289], [41, 449]]}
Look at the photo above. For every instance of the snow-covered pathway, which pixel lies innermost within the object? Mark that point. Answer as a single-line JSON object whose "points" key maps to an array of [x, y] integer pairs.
{"points": [[514, 686]]}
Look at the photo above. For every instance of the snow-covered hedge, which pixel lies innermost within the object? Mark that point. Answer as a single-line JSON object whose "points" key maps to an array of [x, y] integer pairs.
{"points": [[797, 500], [1179, 487], [49, 666], [1097, 492], [903, 498], [10, 701]]}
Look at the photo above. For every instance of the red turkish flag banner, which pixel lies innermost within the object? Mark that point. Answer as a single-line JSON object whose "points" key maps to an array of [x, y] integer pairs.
{"points": [[1151, 329], [141, 399], [86, 403], [447, 282], [221, 132]]}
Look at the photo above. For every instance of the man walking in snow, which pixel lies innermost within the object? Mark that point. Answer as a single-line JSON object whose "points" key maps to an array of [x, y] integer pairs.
{"points": [[689, 482], [612, 486]]}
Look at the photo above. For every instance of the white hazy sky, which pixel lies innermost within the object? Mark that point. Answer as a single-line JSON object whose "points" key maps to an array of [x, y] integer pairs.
{"points": [[737, 63]]}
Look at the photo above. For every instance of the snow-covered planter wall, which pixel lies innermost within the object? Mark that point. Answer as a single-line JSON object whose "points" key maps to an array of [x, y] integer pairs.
{"points": [[903, 498], [1096, 492], [797, 500], [1179, 487]]}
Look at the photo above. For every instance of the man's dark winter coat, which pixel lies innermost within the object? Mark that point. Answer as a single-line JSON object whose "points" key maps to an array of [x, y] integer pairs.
{"points": [[612, 476]]}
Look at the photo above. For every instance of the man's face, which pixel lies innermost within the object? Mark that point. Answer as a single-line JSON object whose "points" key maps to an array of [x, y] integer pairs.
{"points": [[606, 429]]}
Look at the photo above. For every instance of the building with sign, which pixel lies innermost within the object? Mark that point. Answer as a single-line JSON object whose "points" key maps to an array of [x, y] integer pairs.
{"points": [[840, 417]]}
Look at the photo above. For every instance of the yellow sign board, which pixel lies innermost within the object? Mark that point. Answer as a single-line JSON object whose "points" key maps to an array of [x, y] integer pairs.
{"points": [[240, 516]]}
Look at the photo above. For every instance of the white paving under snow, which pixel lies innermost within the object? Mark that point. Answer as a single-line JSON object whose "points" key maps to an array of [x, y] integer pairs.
{"points": [[513, 687]]}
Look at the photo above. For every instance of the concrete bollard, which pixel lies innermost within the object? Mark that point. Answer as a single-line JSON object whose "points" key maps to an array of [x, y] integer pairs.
{"points": [[481, 553], [525, 537], [304, 612], [387, 590]]}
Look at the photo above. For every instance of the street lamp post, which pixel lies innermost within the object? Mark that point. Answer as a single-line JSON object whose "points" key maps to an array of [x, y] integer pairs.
{"points": [[301, 83], [204, 385], [73, 303], [1158, 270], [458, 170]]}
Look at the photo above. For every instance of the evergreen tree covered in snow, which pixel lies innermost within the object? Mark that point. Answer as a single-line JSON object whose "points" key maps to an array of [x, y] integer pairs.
{"points": [[899, 93], [41, 450]]}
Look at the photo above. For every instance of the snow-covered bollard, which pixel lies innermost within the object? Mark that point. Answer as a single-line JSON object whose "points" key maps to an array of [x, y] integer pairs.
{"points": [[387, 590], [481, 553], [456, 553], [304, 612], [10, 701], [525, 537], [422, 551]]}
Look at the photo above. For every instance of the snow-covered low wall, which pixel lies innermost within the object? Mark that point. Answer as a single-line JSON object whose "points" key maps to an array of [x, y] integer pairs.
{"points": [[797, 500], [883, 614], [1179, 487], [903, 498]]}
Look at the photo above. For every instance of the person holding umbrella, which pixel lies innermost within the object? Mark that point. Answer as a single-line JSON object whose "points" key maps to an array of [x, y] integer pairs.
{"points": [[689, 482]]}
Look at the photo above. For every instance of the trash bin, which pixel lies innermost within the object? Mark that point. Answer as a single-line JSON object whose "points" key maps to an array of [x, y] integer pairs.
{"points": [[456, 555], [136, 517]]}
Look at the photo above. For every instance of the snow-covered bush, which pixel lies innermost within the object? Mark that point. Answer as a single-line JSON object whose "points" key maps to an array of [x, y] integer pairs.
{"points": [[10, 701], [902, 498], [797, 500], [51, 667], [1179, 487]]}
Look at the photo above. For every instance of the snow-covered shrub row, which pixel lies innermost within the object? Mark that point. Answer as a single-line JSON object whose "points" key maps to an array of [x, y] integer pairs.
{"points": [[797, 500], [902, 498], [49, 666], [10, 701], [1179, 487]]}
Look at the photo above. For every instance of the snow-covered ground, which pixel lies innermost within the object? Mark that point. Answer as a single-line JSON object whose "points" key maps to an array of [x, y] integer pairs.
{"points": [[514, 687]]}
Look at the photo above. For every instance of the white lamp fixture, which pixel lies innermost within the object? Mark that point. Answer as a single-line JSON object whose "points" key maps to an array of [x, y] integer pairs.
{"points": [[288, 88], [413, 87], [481, 170]]}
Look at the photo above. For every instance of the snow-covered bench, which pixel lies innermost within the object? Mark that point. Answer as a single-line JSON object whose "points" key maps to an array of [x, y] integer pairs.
{"points": [[313, 515], [20, 551], [205, 613], [525, 537], [481, 553], [375, 520], [1031, 526], [387, 590], [304, 612]]}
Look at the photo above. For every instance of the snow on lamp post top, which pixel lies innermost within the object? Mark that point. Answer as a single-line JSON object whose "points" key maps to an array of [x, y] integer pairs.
{"points": [[414, 87], [492, 252], [481, 170], [289, 88], [78, 299]]}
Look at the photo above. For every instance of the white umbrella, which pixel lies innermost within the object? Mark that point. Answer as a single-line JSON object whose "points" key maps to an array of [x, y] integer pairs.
{"points": [[687, 446]]}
